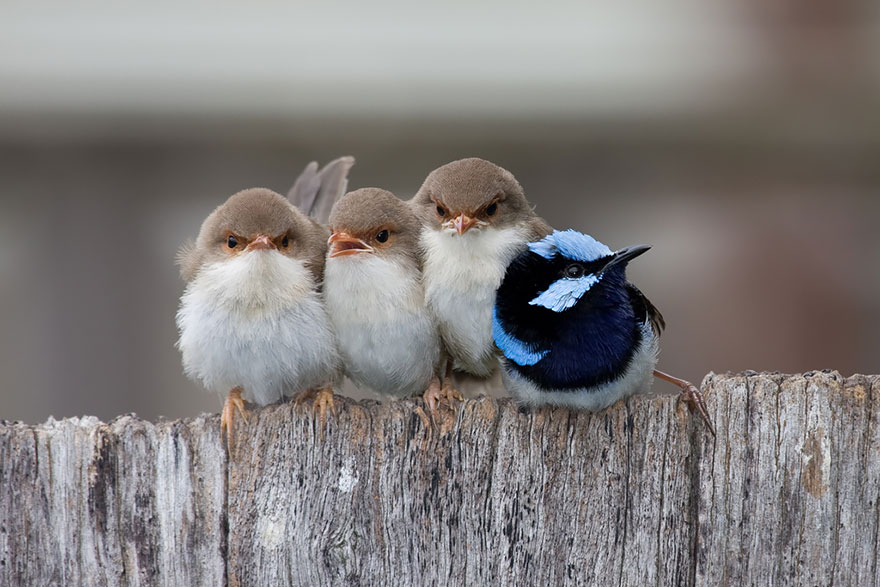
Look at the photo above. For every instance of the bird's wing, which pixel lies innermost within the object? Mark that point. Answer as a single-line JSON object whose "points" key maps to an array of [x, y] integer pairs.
{"points": [[315, 191], [645, 310]]}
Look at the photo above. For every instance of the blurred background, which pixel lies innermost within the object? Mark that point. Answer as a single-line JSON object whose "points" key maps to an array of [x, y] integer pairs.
{"points": [[740, 139]]}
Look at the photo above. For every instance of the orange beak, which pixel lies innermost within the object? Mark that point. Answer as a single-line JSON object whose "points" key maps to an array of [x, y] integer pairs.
{"points": [[261, 243], [342, 244], [462, 223]]}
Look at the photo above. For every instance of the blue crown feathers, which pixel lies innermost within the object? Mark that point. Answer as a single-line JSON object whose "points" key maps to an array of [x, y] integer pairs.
{"points": [[571, 244]]}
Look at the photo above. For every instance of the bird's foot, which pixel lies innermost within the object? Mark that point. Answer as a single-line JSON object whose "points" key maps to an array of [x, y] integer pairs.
{"points": [[438, 393], [690, 395], [432, 395], [233, 404], [322, 400], [448, 390], [449, 393]]}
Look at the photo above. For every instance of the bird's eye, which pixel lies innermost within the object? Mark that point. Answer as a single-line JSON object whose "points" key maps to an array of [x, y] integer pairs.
{"points": [[441, 211], [231, 242], [382, 236], [285, 241], [493, 207], [574, 271]]}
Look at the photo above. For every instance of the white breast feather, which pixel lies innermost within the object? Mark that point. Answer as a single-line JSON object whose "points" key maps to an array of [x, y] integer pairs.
{"points": [[462, 274], [387, 337], [257, 322]]}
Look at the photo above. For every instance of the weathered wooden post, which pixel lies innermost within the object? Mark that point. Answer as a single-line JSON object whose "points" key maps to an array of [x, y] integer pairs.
{"points": [[789, 493]]}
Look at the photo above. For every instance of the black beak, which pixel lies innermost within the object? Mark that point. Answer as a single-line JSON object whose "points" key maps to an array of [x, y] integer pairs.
{"points": [[625, 255]]}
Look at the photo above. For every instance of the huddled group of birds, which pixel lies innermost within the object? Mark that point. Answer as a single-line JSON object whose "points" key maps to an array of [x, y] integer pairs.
{"points": [[285, 296]]}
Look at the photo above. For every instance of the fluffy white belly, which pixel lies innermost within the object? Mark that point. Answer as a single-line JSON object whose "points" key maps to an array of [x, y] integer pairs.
{"points": [[387, 338], [461, 275], [637, 379], [395, 358], [277, 348]]}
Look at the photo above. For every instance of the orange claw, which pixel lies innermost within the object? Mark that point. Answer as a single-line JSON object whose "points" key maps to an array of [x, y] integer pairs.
{"points": [[323, 401], [233, 404], [433, 394], [437, 393], [449, 393]]}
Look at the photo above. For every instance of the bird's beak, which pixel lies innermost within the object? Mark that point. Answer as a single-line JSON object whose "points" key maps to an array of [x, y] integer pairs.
{"points": [[624, 255], [462, 223], [261, 243], [342, 243]]}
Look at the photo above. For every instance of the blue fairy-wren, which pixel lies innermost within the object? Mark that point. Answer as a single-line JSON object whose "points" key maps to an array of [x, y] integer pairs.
{"points": [[573, 331]]}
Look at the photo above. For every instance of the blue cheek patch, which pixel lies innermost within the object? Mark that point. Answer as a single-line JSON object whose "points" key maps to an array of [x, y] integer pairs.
{"points": [[513, 348], [564, 293]]}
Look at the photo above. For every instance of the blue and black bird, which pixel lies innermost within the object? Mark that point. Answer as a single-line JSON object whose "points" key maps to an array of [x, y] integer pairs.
{"points": [[573, 331]]}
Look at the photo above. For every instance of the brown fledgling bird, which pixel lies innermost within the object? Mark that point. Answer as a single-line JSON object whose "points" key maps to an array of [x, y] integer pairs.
{"points": [[252, 320], [375, 297], [477, 219]]}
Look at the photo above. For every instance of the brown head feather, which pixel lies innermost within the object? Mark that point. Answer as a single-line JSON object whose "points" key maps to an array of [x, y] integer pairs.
{"points": [[471, 186], [364, 213], [249, 213]]}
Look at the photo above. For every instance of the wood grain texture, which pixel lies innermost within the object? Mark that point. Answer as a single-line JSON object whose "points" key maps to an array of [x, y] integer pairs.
{"points": [[125, 503], [792, 494], [491, 493], [789, 493]]}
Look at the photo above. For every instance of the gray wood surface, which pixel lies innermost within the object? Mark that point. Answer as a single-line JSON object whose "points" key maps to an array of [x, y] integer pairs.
{"points": [[789, 493], [125, 503]]}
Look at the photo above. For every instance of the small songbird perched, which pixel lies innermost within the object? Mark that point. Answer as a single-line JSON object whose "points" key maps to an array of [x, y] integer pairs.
{"points": [[375, 296], [252, 321], [477, 219], [573, 331]]}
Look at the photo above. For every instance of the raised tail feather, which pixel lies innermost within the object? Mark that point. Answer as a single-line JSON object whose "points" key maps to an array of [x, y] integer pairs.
{"points": [[315, 191]]}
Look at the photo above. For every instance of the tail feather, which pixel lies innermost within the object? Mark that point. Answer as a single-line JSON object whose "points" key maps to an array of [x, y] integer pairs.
{"points": [[315, 191], [645, 310]]}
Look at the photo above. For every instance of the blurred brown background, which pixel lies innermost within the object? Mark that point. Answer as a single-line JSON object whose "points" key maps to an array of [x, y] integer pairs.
{"points": [[740, 139]]}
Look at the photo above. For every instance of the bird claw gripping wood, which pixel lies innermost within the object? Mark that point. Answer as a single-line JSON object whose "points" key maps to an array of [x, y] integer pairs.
{"points": [[233, 404], [693, 397], [690, 395], [432, 395], [322, 401], [450, 394], [437, 394]]}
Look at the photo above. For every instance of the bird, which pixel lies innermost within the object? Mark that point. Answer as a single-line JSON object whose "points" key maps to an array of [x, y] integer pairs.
{"points": [[374, 294], [476, 220], [572, 330], [251, 320]]}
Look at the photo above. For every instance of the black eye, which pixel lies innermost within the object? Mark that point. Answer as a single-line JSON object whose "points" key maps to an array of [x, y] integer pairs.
{"points": [[231, 242], [441, 211], [285, 241], [493, 207], [382, 236], [574, 271]]}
